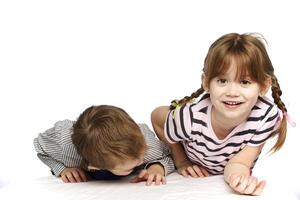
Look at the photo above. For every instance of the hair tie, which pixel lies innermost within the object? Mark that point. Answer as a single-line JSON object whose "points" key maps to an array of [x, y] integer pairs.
{"points": [[175, 103], [176, 106], [289, 119]]}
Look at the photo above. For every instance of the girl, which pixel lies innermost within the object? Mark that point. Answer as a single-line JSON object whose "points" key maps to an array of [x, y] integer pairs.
{"points": [[224, 132]]}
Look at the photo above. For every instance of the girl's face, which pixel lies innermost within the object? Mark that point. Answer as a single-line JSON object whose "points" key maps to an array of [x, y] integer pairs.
{"points": [[233, 99]]}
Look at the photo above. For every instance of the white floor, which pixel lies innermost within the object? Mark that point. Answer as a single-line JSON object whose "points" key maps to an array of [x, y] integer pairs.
{"points": [[211, 188]]}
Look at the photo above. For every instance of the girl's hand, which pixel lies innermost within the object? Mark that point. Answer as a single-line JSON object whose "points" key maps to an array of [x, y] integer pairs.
{"points": [[190, 169], [73, 175], [246, 184], [155, 173]]}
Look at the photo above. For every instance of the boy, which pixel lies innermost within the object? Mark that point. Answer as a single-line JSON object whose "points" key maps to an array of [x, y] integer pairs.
{"points": [[104, 144]]}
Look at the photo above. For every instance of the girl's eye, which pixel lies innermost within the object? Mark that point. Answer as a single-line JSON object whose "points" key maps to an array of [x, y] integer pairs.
{"points": [[245, 82], [222, 81]]}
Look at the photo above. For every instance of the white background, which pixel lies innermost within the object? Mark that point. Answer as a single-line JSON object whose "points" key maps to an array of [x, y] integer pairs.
{"points": [[59, 57]]}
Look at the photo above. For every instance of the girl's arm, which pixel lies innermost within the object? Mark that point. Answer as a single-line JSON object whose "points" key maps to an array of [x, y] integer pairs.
{"points": [[237, 172], [158, 117], [181, 161]]}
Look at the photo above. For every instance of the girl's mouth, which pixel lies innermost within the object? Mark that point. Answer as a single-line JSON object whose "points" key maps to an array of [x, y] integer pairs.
{"points": [[232, 104]]}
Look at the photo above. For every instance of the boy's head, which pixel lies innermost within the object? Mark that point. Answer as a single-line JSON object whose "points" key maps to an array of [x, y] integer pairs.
{"points": [[107, 137]]}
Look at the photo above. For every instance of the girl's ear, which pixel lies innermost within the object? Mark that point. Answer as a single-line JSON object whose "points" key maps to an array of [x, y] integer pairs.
{"points": [[204, 83], [266, 87]]}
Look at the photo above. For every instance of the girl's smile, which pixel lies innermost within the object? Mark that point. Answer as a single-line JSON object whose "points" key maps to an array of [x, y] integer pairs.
{"points": [[232, 98]]}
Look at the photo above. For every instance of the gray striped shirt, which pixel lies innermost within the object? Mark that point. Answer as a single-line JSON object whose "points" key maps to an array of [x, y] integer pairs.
{"points": [[55, 148]]}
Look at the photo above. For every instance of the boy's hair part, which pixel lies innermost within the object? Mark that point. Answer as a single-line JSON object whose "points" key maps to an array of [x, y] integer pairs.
{"points": [[251, 57], [106, 135]]}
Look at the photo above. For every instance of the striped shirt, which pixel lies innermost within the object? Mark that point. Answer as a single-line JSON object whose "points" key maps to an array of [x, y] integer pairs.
{"points": [[191, 125], [54, 147]]}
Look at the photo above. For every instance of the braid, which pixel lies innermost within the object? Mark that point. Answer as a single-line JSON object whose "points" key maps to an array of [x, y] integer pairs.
{"points": [[186, 99], [281, 130], [276, 93]]}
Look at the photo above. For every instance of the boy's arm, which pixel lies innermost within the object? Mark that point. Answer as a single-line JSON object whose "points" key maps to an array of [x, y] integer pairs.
{"points": [[55, 149], [157, 151], [55, 166], [237, 172], [166, 163], [45, 143]]}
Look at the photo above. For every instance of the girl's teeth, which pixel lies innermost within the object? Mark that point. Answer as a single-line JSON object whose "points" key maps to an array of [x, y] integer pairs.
{"points": [[232, 103]]}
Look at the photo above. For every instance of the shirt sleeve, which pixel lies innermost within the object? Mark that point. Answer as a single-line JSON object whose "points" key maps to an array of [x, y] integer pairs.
{"points": [[55, 149], [178, 124], [55, 166], [157, 151], [41, 145], [266, 128]]}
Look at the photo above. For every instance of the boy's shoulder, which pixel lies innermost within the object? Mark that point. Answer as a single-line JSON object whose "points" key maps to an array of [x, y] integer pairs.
{"points": [[64, 128], [63, 124], [144, 127], [146, 131]]}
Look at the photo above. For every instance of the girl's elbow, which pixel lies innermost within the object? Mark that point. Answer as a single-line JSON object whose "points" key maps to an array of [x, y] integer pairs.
{"points": [[158, 115], [154, 115]]}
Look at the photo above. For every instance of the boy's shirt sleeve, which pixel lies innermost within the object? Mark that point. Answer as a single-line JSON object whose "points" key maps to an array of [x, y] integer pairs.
{"points": [[55, 149], [178, 125], [157, 151], [55, 166]]}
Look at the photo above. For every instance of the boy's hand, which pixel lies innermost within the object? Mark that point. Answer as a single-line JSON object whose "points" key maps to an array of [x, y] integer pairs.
{"points": [[73, 175], [154, 173], [246, 184], [190, 169]]}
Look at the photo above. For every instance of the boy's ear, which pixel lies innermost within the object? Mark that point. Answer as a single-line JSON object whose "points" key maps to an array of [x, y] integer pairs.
{"points": [[266, 87], [204, 83]]}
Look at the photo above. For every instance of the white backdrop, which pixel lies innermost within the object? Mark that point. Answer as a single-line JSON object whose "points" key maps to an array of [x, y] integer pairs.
{"points": [[59, 57]]}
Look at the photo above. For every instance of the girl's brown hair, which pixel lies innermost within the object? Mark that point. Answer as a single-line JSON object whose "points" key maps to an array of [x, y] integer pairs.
{"points": [[250, 55], [106, 135]]}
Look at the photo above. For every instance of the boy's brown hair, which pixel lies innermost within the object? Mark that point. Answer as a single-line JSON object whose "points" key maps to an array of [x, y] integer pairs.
{"points": [[106, 136]]}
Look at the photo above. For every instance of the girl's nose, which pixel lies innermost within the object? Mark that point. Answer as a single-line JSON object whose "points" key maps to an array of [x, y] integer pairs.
{"points": [[232, 89]]}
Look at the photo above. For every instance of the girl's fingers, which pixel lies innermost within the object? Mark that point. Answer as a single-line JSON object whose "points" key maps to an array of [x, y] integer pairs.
{"points": [[198, 171], [183, 172], [242, 184], [191, 172], [204, 172], [234, 180], [259, 188], [252, 183]]}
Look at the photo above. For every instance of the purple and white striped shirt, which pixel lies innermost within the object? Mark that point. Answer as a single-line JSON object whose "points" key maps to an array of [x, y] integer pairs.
{"points": [[191, 125]]}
